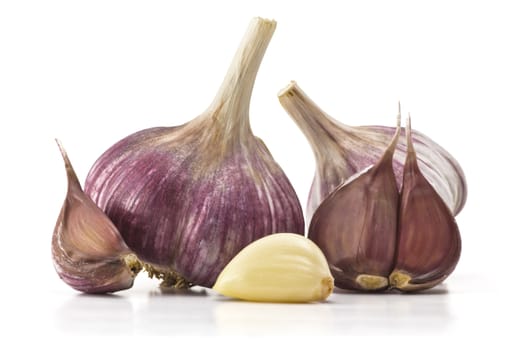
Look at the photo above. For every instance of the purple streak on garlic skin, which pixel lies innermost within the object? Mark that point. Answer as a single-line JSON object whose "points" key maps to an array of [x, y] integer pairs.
{"points": [[342, 151], [187, 199]]}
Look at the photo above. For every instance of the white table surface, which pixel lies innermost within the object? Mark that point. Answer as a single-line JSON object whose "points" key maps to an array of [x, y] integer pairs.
{"points": [[461, 308]]}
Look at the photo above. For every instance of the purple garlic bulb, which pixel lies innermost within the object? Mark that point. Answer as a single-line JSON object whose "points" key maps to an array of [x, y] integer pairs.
{"points": [[342, 151], [187, 199]]}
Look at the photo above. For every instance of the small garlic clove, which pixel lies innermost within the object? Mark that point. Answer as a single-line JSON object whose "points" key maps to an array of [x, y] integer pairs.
{"points": [[429, 242], [87, 250], [355, 226], [341, 151], [281, 267]]}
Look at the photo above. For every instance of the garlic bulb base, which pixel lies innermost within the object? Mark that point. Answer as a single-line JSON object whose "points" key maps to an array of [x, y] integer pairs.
{"points": [[372, 282], [133, 263], [169, 278]]}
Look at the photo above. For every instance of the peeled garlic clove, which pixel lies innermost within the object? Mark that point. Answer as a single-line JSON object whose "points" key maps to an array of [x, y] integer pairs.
{"points": [[282, 267], [355, 226], [429, 243], [87, 250], [187, 199], [342, 151]]}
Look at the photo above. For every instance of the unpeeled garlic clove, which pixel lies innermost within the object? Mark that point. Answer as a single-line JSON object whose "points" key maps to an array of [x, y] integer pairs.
{"points": [[281, 267], [187, 199], [88, 252], [429, 242], [355, 226], [342, 151]]}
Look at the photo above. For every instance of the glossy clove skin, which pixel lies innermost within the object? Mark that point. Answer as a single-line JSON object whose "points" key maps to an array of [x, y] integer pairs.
{"points": [[187, 199], [87, 250], [355, 226], [429, 242], [342, 151]]}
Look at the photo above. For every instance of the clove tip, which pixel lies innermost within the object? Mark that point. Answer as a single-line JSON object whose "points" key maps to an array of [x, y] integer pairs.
{"points": [[409, 134], [65, 157]]}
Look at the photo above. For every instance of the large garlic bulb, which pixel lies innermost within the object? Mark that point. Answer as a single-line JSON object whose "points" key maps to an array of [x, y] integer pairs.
{"points": [[187, 199]]}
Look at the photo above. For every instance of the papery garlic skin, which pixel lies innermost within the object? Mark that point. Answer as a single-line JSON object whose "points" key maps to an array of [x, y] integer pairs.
{"points": [[341, 151], [87, 250], [429, 242], [282, 267], [187, 199], [355, 226]]}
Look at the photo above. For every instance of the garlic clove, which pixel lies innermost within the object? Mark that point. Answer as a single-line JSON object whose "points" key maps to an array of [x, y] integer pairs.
{"points": [[341, 151], [355, 226], [429, 242], [282, 267], [87, 250], [187, 199]]}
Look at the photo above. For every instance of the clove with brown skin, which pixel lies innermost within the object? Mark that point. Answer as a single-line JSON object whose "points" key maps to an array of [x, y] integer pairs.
{"points": [[376, 239], [429, 242], [356, 226]]}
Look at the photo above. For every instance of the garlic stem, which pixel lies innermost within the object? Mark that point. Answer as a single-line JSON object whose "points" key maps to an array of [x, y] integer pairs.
{"points": [[318, 127], [232, 103]]}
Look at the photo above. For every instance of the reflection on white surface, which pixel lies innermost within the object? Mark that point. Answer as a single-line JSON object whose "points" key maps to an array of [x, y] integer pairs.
{"points": [[151, 311], [104, 314], [237, 317], [176, 313], [344, 314]]}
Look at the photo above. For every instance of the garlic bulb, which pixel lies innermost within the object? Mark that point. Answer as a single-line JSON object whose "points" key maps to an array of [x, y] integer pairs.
{"points": [[428, 242], [187, 199], [355, 226], [282, 267], [341, 151], [88, 251]]}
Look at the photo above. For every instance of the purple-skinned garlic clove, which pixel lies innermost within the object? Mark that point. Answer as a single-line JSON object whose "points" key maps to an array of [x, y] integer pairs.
{"points": [[87, 250], [355, 226], [187, 199], [342, 151], [429, 242]]}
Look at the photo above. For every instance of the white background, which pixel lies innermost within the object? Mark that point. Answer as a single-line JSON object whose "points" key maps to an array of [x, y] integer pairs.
{"points": [[93, 72]]}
